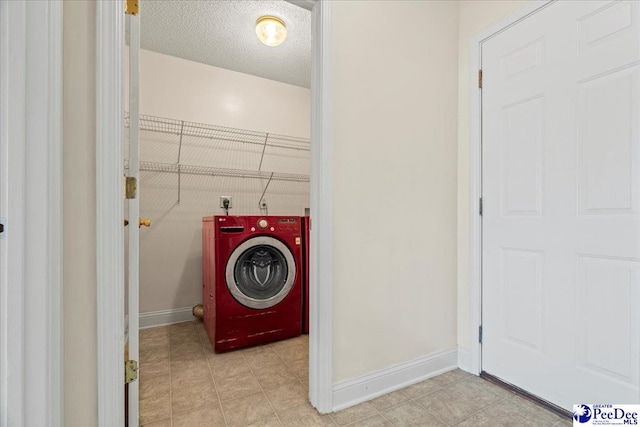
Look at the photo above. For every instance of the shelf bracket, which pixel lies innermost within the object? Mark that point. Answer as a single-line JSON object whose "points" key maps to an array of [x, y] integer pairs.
{"points": [[264, 147]]}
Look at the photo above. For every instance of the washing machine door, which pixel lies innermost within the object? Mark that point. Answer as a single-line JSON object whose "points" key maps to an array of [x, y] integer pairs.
{"points": [[260, 272]]}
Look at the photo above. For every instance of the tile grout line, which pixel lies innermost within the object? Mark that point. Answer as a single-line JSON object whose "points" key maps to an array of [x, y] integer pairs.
{"points": [[442, 387], [215, 386], [383, 415], [261, 388], [390, 407], [293, 372], [432, 414], [446, 387], [378, 411], [155, 376], [203, 354], [300, 381], [414, 400], [482, 410]]}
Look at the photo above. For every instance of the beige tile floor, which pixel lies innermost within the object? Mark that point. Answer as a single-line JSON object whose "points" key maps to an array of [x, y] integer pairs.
{"points": [[184, 383]]}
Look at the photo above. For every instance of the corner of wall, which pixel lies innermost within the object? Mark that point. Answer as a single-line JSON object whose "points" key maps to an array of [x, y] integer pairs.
{"points": [[464, 359]]}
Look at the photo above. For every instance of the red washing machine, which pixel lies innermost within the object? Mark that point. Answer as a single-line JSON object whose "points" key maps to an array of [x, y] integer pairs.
{"points": [[252, 279]]}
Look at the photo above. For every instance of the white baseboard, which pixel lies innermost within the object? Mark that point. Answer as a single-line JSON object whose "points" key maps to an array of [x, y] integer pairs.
{"points": [[350, 392], [464, 359], [165, 317]]}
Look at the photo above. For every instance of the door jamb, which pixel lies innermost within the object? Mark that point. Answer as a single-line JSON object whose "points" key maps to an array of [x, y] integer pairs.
{"points": [[110, 239], [110, 210], [475, 187], [321, 219]]}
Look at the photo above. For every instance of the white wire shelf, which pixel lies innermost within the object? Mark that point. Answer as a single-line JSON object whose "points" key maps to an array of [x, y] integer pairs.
{"points": [[223, 172], [190, 133], [182, 128]]}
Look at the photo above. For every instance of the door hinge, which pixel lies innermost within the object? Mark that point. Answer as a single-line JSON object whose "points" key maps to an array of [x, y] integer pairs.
{"points": [[480, 79], [131, 7], [480, 206], [130, 371], [480, 334], [131, 187]]}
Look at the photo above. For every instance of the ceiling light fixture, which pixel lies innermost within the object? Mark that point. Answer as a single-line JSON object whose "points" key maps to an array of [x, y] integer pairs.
{"points": [[271, 30]]}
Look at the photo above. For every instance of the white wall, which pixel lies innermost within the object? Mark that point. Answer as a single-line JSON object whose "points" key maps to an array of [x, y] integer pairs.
{"points": [[474, 17], [395, 160], [79, 210], [171, 250], [180, 89]]}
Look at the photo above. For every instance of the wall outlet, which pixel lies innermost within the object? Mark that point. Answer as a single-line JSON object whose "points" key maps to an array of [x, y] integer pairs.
{"points": [[222, 200]]}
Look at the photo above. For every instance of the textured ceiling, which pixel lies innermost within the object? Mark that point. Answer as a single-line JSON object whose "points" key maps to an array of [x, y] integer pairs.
{"points": [[222, 33]]}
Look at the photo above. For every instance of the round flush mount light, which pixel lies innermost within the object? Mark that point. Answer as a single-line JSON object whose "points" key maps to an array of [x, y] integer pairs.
{"points": [[271, 30]]}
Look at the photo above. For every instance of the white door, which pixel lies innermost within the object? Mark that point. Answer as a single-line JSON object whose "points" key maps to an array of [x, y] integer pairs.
{"points": [[133, 248], [561, 199]]}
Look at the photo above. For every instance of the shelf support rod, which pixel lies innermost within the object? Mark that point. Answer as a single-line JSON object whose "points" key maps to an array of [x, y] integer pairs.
{"points": [[180, 146], [264, 147], [179, 183], [179, 156], [265, 190]]}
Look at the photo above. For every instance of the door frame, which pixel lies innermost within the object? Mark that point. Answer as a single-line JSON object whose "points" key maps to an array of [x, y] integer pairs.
{"points": [[110, 237], [31, 189], [475, 163]]}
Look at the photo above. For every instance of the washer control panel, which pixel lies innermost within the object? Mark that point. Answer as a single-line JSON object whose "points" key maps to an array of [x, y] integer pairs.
{"points": [[286, 225], [233, 224]]}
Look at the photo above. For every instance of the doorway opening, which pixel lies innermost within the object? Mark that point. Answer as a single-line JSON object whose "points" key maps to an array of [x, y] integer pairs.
{"points": [[111, 40], [223, 152]]}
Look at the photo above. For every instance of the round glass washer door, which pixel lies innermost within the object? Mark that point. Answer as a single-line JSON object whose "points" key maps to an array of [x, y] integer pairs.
{"points": [[260, 272]]}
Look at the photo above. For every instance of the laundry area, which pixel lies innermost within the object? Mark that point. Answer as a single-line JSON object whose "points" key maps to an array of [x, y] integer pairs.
{"points": [[222, 124]]}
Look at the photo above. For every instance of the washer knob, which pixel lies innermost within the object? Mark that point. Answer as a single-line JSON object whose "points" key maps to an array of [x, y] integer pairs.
{"points": [[263, 223], [273, 229]]}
